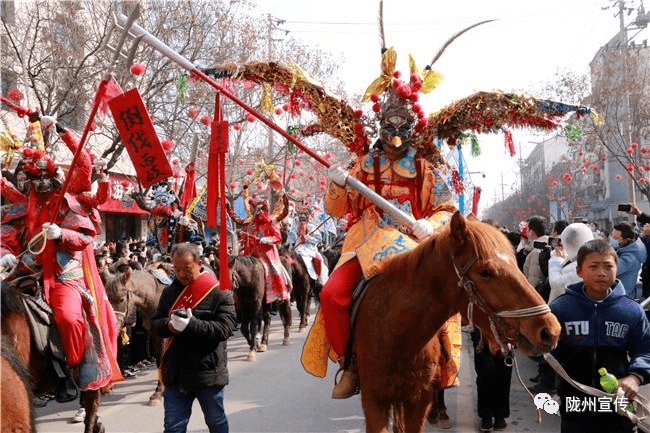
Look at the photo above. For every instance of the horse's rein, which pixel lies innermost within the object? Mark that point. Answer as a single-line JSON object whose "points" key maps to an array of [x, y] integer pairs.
{"points": [[475, 298]]}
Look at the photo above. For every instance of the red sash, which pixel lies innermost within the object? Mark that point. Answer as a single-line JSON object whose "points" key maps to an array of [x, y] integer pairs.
{"points": [[195, 292], [190, 297]]}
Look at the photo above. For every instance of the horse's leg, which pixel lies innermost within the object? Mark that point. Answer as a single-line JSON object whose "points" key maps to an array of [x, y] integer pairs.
{"points": [[91, 401], [156, 397], [266, 327], [414, 415], [285, 313], [376, 415]]}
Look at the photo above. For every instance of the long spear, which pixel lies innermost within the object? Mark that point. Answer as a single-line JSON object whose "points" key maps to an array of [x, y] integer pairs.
{"points": [[122, 22]]}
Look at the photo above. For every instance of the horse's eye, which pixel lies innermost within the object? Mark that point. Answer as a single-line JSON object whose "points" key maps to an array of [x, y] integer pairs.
{"points": [[485, 273]]}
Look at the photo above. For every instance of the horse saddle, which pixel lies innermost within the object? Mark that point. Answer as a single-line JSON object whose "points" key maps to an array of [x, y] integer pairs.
{"points": [[48, 343], [44, 330], [357, 296], [162, 276]]}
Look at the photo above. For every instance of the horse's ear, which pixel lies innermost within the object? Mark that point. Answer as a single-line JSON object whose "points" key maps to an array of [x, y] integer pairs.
{"points": [[472, 217], [458, 228], [126, 275]]}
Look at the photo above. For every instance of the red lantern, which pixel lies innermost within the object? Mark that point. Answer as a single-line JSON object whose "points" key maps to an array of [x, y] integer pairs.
{"points": [[278, 111], [138, 69], [249, 172], [167, 145], [619, 177], [250, 118], [236, 126], [634, 145], [298, 163], [260, 185], [206, 120], [193, 112], [233, 185]]}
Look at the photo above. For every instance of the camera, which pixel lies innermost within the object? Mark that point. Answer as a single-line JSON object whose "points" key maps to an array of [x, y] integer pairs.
{"points": [[624, 207]]}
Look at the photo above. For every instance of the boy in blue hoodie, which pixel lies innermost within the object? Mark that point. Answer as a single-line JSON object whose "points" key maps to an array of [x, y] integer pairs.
{"points": [[601, 327]]}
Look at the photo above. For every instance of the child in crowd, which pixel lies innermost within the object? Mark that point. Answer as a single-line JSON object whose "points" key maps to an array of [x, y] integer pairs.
{"points": [[601, 327]]}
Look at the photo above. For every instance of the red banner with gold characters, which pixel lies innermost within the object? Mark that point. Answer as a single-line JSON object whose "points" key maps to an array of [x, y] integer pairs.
{"points": [[139, 137]]}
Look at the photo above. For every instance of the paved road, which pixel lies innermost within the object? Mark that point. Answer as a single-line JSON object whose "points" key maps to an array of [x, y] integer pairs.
{"points": [[274, 394]]}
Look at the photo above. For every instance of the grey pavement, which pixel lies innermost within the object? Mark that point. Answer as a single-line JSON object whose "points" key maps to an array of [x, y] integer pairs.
{"points": [[274, 394]]}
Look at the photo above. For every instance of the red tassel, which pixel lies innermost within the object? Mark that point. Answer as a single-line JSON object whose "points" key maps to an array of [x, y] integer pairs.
{"points": [[510, 144], [457, 182], [475, 200]]}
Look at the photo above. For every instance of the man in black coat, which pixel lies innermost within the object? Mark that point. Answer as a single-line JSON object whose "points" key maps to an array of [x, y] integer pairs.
{"points": [[197, 318]]}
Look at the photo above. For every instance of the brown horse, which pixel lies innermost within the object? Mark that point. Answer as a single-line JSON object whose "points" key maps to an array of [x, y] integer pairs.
{"points": [[132, 293], [17, 332], [16, 411], [465, 264]]}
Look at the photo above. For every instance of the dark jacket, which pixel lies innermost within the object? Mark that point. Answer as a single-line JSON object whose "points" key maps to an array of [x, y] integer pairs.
{"points": [[197, 357], [630, 259], [600, 334]]}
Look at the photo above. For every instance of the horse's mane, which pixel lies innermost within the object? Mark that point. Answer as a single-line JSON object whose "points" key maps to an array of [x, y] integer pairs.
{"points": [[11, 300], [15, 362], [485, 238]]}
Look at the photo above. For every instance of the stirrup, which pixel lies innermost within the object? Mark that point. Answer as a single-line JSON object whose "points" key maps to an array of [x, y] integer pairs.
{"points": [[337, 380]]}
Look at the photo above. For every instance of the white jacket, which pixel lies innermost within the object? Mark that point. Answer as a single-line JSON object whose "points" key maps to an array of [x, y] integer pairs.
{"points": [[561, 273]]}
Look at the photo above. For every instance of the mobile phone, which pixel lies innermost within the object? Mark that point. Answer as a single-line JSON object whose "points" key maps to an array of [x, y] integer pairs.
{"points": [[180, 313], [624, 207], [540, 245]]}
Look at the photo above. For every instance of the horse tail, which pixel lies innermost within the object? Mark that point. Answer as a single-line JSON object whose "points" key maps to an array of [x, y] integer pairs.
{"points": [[399, 424]]}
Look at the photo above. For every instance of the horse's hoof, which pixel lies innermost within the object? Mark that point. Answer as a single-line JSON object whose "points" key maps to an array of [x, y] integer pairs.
{"points": [[302, 328], [252, 356], [285, 341], [444, 423], [99, 428], [262, 348], [155, 399]]}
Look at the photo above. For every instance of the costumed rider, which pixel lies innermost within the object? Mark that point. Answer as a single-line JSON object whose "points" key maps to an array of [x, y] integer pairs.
{"points": [[164, 208], [61, 247], [307, 248], [261, 240], [397, 170]]}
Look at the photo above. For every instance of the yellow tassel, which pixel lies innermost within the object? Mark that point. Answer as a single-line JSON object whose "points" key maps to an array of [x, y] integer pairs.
{"points": [[266, 105], [596, 118]]}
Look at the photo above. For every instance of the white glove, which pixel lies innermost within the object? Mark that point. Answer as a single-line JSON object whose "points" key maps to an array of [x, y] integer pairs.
{"points": [[184, 221], [8, 261], [47, 121], [422, 228], [266, 240], [180, 323], [338, 175], [53, 231]]}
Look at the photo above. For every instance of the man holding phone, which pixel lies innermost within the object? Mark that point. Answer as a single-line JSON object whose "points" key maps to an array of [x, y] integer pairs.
{"points": [[197, 318]]}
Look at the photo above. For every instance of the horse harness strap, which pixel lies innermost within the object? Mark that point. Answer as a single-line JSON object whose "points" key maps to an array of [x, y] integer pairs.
{"points": [[357, 296], [495, 317]]}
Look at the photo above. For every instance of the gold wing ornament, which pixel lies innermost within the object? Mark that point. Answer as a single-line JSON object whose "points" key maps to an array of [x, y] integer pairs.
{"points": [[492, 112], [334, 116]]}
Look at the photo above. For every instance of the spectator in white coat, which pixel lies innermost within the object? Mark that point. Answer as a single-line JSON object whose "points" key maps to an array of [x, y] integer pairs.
{"points": [[562, 265]]}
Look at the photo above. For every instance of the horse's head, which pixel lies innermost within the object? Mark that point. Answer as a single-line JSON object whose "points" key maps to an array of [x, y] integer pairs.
{"points": [[497, 297], [117, 292]]}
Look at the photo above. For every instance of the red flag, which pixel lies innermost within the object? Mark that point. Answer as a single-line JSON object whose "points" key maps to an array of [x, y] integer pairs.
{"points": [[111, 90]]}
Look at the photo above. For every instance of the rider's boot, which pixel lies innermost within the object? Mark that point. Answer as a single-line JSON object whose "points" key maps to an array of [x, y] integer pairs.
{"points": [[348, 384], [66, 389]]}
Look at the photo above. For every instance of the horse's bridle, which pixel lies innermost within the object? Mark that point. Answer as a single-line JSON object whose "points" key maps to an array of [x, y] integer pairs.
{"points": [[495, 317]]}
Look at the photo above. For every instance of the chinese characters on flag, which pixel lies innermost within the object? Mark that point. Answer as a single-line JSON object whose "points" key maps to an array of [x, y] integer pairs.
{"points": [[139, 137]]}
